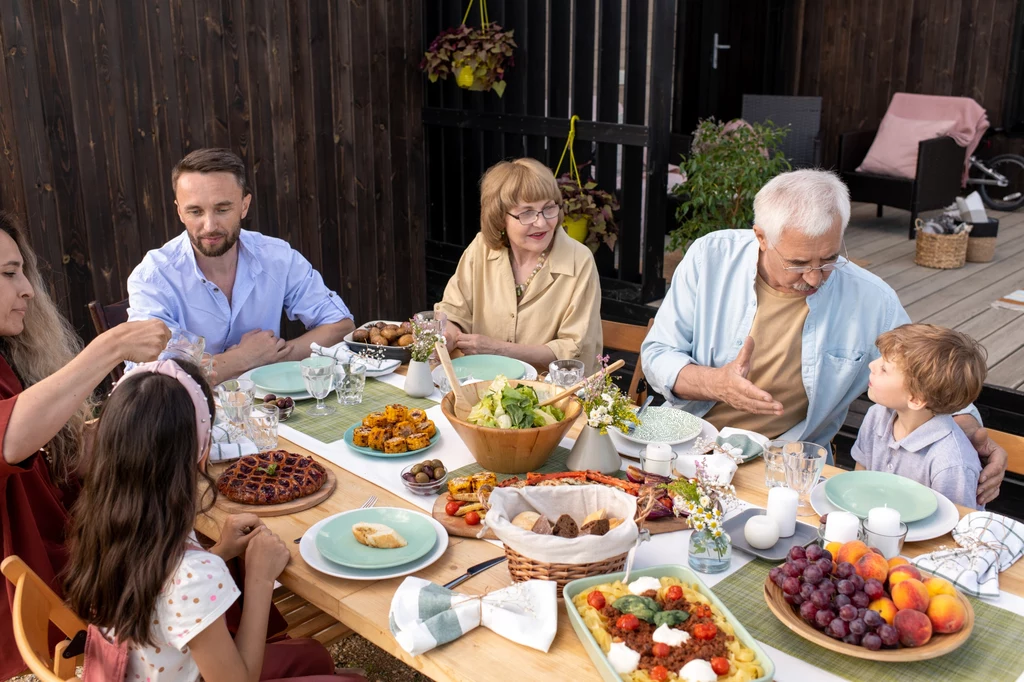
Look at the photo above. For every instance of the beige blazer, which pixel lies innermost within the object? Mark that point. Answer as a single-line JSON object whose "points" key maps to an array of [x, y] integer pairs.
{"points": [[560, 309]]}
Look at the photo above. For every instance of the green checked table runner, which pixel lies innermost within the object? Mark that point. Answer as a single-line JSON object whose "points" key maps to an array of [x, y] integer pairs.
{"points": [[993, 653], [331, 428], [554, 465]]}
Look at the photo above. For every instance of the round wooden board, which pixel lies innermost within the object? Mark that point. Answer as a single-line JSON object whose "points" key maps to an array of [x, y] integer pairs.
{"points": [[289, 507], [456, 525], [936, 646]]}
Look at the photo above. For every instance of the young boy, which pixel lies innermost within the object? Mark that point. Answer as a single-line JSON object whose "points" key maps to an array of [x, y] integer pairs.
{"points": [[925, 375]]}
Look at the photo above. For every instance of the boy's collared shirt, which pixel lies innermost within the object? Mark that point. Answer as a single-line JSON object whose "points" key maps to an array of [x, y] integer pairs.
{"points": [[937, 454]]}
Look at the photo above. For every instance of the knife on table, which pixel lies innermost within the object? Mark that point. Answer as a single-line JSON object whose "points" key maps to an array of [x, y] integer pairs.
{"points": [[473, 570]]}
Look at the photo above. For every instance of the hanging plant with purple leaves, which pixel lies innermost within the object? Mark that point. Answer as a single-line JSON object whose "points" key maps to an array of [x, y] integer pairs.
{"points": [[596, 205], [477, 56]]}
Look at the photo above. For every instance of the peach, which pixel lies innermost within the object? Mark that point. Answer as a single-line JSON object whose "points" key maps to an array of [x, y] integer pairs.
{"points": [[915, 628], [937, 586], [911, 594], [904, 572], [871, 565], [833, 549], [897, 561], [875, 550], [946, 613], [851, 551], [885, 608]]}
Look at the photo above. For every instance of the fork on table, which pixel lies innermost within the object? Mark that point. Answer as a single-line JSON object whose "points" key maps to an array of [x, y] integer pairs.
{"points": [[370, 501]]}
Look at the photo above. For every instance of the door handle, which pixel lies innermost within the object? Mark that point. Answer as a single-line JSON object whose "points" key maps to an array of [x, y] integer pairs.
{"points": [[715, 47]]}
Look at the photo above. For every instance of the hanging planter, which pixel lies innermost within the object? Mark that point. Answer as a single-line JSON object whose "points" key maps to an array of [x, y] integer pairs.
{"points": [[589, 212], [477, 56]]}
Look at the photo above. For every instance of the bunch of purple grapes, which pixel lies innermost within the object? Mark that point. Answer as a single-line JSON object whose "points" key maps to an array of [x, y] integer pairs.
{"points": [[834, 601]]}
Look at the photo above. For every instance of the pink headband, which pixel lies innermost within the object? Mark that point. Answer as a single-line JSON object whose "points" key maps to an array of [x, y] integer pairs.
{"points": [[204, 425]]}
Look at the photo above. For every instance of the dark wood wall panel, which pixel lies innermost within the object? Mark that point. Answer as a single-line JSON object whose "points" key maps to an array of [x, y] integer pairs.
{"points": [[99, 99], [855, 54]]}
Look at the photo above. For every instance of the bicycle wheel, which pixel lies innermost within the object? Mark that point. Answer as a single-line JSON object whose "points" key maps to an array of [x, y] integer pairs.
{"points": [[1011, 197]]}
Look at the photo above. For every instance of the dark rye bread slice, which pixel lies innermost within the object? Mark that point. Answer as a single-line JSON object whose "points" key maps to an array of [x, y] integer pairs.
{"points": [[596, 527], [565, 527]]}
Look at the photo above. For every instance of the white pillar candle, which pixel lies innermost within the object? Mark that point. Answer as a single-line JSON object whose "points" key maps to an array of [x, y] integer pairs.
{"points": [[841, 526], [658, 459], [883, 528], [782, 504], [761, 532]]}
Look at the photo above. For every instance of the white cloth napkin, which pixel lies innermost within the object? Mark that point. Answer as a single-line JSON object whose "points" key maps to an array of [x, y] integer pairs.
{"points": [[987, 544], [342, 353], [424, 615], [227, 449]]}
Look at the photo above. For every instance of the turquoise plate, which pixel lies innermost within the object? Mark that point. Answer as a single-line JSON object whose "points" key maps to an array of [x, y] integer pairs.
{"points": [[486, 367], [336, 542], [370, 452], [284, 377], [861, 491]]}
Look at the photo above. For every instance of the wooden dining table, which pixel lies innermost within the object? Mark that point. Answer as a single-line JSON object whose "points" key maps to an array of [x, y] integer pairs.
{"points": [[481, 655]]}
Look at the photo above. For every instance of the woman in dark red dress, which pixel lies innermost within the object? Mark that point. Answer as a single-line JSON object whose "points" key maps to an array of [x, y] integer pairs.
{"points": [[46, 384]]}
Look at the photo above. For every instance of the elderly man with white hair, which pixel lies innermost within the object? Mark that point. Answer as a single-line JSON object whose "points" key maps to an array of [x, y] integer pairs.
{"points": [[772, 329]]}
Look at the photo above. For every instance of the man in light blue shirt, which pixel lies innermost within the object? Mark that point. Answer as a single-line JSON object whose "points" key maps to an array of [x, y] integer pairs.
{"points": [[699, 352], [231, 285]]}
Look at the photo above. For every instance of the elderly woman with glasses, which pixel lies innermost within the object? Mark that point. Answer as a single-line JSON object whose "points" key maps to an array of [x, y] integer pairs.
{"points": [[523, 287], [772, 329]]}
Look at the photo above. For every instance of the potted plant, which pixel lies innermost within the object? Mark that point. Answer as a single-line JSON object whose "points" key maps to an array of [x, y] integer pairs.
{"points": [[728, 164], [477, 56], [589, 213], [604, 406]]}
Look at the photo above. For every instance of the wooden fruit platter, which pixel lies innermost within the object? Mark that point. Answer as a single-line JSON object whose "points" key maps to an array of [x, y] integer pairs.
{"points": [[938, 645]]}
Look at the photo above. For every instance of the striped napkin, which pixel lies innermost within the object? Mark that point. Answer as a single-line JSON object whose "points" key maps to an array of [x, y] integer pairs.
{"points": [[227, 449], [987, 544], [342, 353], [424, 615]]}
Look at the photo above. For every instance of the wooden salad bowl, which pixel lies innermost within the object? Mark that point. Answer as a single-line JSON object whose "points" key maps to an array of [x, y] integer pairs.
{"points": [[511, 451], [938, 645]]}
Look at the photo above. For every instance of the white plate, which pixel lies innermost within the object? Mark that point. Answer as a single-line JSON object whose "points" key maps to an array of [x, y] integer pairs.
{"points": [[942, 520], [531, 374], [309, 553], [632, 450]]}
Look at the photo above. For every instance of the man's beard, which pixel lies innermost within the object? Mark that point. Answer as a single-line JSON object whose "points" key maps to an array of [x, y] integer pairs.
{"points": [[230, 238]]}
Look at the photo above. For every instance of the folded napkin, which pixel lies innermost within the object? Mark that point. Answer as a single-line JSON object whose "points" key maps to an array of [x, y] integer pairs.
{"points": [[226, 449], [424, 615], [342, 353], [987, 544], [740, 444]]}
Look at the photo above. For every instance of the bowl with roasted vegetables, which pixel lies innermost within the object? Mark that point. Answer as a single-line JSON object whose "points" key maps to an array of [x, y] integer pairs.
{"points": [[507, 431], [390, 338]]}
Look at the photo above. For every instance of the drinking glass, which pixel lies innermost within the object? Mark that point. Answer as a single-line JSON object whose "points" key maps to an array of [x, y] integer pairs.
{"points": [[436, 320], [463, 374], [774, 465], [350, 378], [565, 373], [206, 364], [318, 376], [236, 397], [184, 345], [803, 462], [262, 426]]}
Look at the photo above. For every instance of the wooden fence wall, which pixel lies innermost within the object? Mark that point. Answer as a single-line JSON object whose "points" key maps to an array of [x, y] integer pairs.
{"points": [[99, 98], [856, 54]]}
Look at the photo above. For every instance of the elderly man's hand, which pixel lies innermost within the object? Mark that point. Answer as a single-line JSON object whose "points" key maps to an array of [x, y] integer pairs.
{"points": [[732, 386], [995, 460]]}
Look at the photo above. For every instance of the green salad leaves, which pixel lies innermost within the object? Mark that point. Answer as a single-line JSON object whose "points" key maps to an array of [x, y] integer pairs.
{"points": [[508, 407]]}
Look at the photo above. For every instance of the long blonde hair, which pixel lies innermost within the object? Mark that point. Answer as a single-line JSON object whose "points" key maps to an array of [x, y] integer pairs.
{"points": [[47, 343]]}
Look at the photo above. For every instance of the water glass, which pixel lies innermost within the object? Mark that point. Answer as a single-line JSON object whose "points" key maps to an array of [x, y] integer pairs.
{"points": [[774, 465], [350, 378], [804, 463], [206, 364], [236, 398], [463, 374], [318, 376], [262, 426], [435, 320], [184, 345], [565, 373]]}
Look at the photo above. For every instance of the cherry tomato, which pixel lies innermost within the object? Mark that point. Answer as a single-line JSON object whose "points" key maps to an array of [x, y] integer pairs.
{"points": [[674, 593], [702, 611], [452, 507], [660, 649], [659, 673], [705, 631], [628, 621], [720, 665], [596, 599], [472, 519]]}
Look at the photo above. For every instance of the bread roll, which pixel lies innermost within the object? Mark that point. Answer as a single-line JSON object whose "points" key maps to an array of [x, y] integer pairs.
{"points": [[526, 520], [378, 535]]}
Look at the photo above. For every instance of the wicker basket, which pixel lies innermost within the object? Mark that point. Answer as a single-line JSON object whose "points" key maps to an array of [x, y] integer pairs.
{"points": [[523, 568], [981, 249], [943, 251]]}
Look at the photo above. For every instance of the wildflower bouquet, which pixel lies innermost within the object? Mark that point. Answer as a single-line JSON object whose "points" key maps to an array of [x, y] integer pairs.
{"points": [[604, 404], [705, 501], [424, 337]]}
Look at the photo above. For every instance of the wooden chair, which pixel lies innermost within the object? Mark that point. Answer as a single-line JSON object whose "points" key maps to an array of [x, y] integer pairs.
{"points": [[105, 317], [1014, 446], [627, 338], [35, 607]]}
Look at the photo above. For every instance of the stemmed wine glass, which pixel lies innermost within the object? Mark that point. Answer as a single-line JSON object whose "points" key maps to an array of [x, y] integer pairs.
{"points": [[318, 376]]}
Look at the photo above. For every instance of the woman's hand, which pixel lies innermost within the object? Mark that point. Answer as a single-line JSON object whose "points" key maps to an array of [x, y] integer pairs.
{"points": [[266, 556], [140, 341], [235, 535], [478, 344], [451, 337]]}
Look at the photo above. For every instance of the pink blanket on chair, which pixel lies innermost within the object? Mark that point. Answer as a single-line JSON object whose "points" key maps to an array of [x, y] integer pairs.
{"points": [[970, 119]]}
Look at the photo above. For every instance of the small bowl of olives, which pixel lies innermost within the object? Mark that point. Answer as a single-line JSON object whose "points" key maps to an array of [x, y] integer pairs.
{"points": [[425, 478], [285, 405]]}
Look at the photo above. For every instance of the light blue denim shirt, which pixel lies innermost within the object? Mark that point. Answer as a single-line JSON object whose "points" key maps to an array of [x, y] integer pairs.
{"points": [[271, 277], [709, 310]]}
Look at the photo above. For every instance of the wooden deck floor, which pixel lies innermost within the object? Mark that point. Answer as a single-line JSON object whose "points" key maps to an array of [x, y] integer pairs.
{"points": [[960, 299]]}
